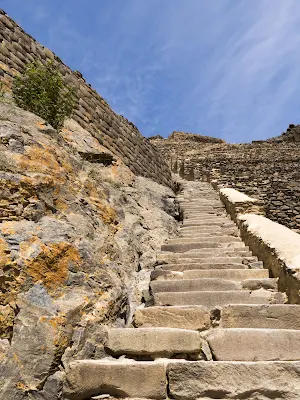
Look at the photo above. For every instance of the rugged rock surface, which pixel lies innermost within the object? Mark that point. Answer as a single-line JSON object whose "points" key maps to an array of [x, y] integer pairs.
{"points": [[78, 235]]}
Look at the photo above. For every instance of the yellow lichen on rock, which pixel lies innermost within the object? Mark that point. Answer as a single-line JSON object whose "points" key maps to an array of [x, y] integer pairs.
{"points": [[51, 265], [4, 253]]}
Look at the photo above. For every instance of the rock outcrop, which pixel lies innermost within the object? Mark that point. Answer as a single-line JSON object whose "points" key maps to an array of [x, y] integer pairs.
{"points": [[78, 235]]}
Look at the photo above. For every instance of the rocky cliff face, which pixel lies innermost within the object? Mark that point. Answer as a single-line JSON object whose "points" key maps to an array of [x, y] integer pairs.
{"points": [[78, 235]]}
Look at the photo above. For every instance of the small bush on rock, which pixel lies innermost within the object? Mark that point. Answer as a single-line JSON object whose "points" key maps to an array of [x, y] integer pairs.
{"points": [[42, 90]]}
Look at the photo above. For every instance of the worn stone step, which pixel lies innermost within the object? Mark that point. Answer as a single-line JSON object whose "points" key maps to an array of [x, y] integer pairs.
{"points": [[212, 299], [126, 378], [152, 342], [207, 223], [208, 255], [206, 217], [245, 344], [207, 244], [204, 236], [207, 233], [161, 275], [233, 274], [191, 230], [182, 317], [229, 249], [194, 285], [206, 380], [207, 212], [209, 239], [209, 284], [214, 263], [273, 316]]}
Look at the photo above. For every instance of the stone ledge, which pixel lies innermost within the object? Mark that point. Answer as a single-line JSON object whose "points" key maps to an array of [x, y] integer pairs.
{"points": [[278, 247], [239, 203]]}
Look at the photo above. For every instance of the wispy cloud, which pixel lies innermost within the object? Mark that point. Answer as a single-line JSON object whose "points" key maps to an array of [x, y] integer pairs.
{"points": [[226, 68]]}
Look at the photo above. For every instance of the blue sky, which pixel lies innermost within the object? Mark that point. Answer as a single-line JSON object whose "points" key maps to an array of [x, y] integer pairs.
{"points": [[224, 68]]}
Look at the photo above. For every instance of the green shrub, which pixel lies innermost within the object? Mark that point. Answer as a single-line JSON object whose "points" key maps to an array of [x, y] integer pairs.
{"points": [[42, 90]]}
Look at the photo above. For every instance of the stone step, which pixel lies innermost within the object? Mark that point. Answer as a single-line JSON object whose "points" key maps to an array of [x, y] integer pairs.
{"points": [[205, 254], [214, 263], [203, 236], [233, 274], [207, 244], [182, 317], [245, 344], [204, 216], [208, 230], [191, 230], [207, 233], [209, 239], [210, 284], [194, 285], [212, 299], [207, 223], [207, 380], [274, 316], [152, 343], [124, 378], [229, 248]]}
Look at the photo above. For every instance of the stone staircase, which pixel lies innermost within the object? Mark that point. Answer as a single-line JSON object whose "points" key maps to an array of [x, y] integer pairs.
{"points": [[217, 329]]}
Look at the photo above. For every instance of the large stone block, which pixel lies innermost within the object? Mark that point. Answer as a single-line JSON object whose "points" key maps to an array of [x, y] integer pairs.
{"points": [[190, 266], [194, 285], [185, 317], [233, 274], [274, 316], [153, 342], [213, 299], [254, 344], [234, 380], [86, 378]]}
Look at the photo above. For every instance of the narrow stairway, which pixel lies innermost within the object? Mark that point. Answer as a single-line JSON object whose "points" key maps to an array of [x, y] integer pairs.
{"points": [[218, 327]]}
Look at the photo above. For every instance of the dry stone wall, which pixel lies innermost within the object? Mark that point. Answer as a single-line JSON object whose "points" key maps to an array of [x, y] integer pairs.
{"points": [[120, 136], [269, 171]]}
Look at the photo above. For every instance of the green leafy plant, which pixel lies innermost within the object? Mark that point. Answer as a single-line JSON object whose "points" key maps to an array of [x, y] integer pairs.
{"points": [[42, 90]]}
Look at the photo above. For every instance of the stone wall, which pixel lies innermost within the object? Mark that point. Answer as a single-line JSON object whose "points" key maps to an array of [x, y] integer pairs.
{"points": [[274, 244], [269, 171], [93, 113]]}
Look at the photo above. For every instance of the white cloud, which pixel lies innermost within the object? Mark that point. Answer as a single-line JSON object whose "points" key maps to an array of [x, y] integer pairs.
{"points": [[227, 68]]}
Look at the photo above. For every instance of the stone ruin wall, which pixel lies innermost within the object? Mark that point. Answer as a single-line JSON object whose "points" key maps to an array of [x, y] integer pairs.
{"points": [[120, 136], [269, 171]]}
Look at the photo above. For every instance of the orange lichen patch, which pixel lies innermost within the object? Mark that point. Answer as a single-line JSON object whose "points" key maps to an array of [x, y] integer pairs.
{"points": [[4, 67], [8, 228], [37, 159], [41, 125], [51, 266], [4, 253], [7, 316], [22, 386], [107, 213], [61, 205]]}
